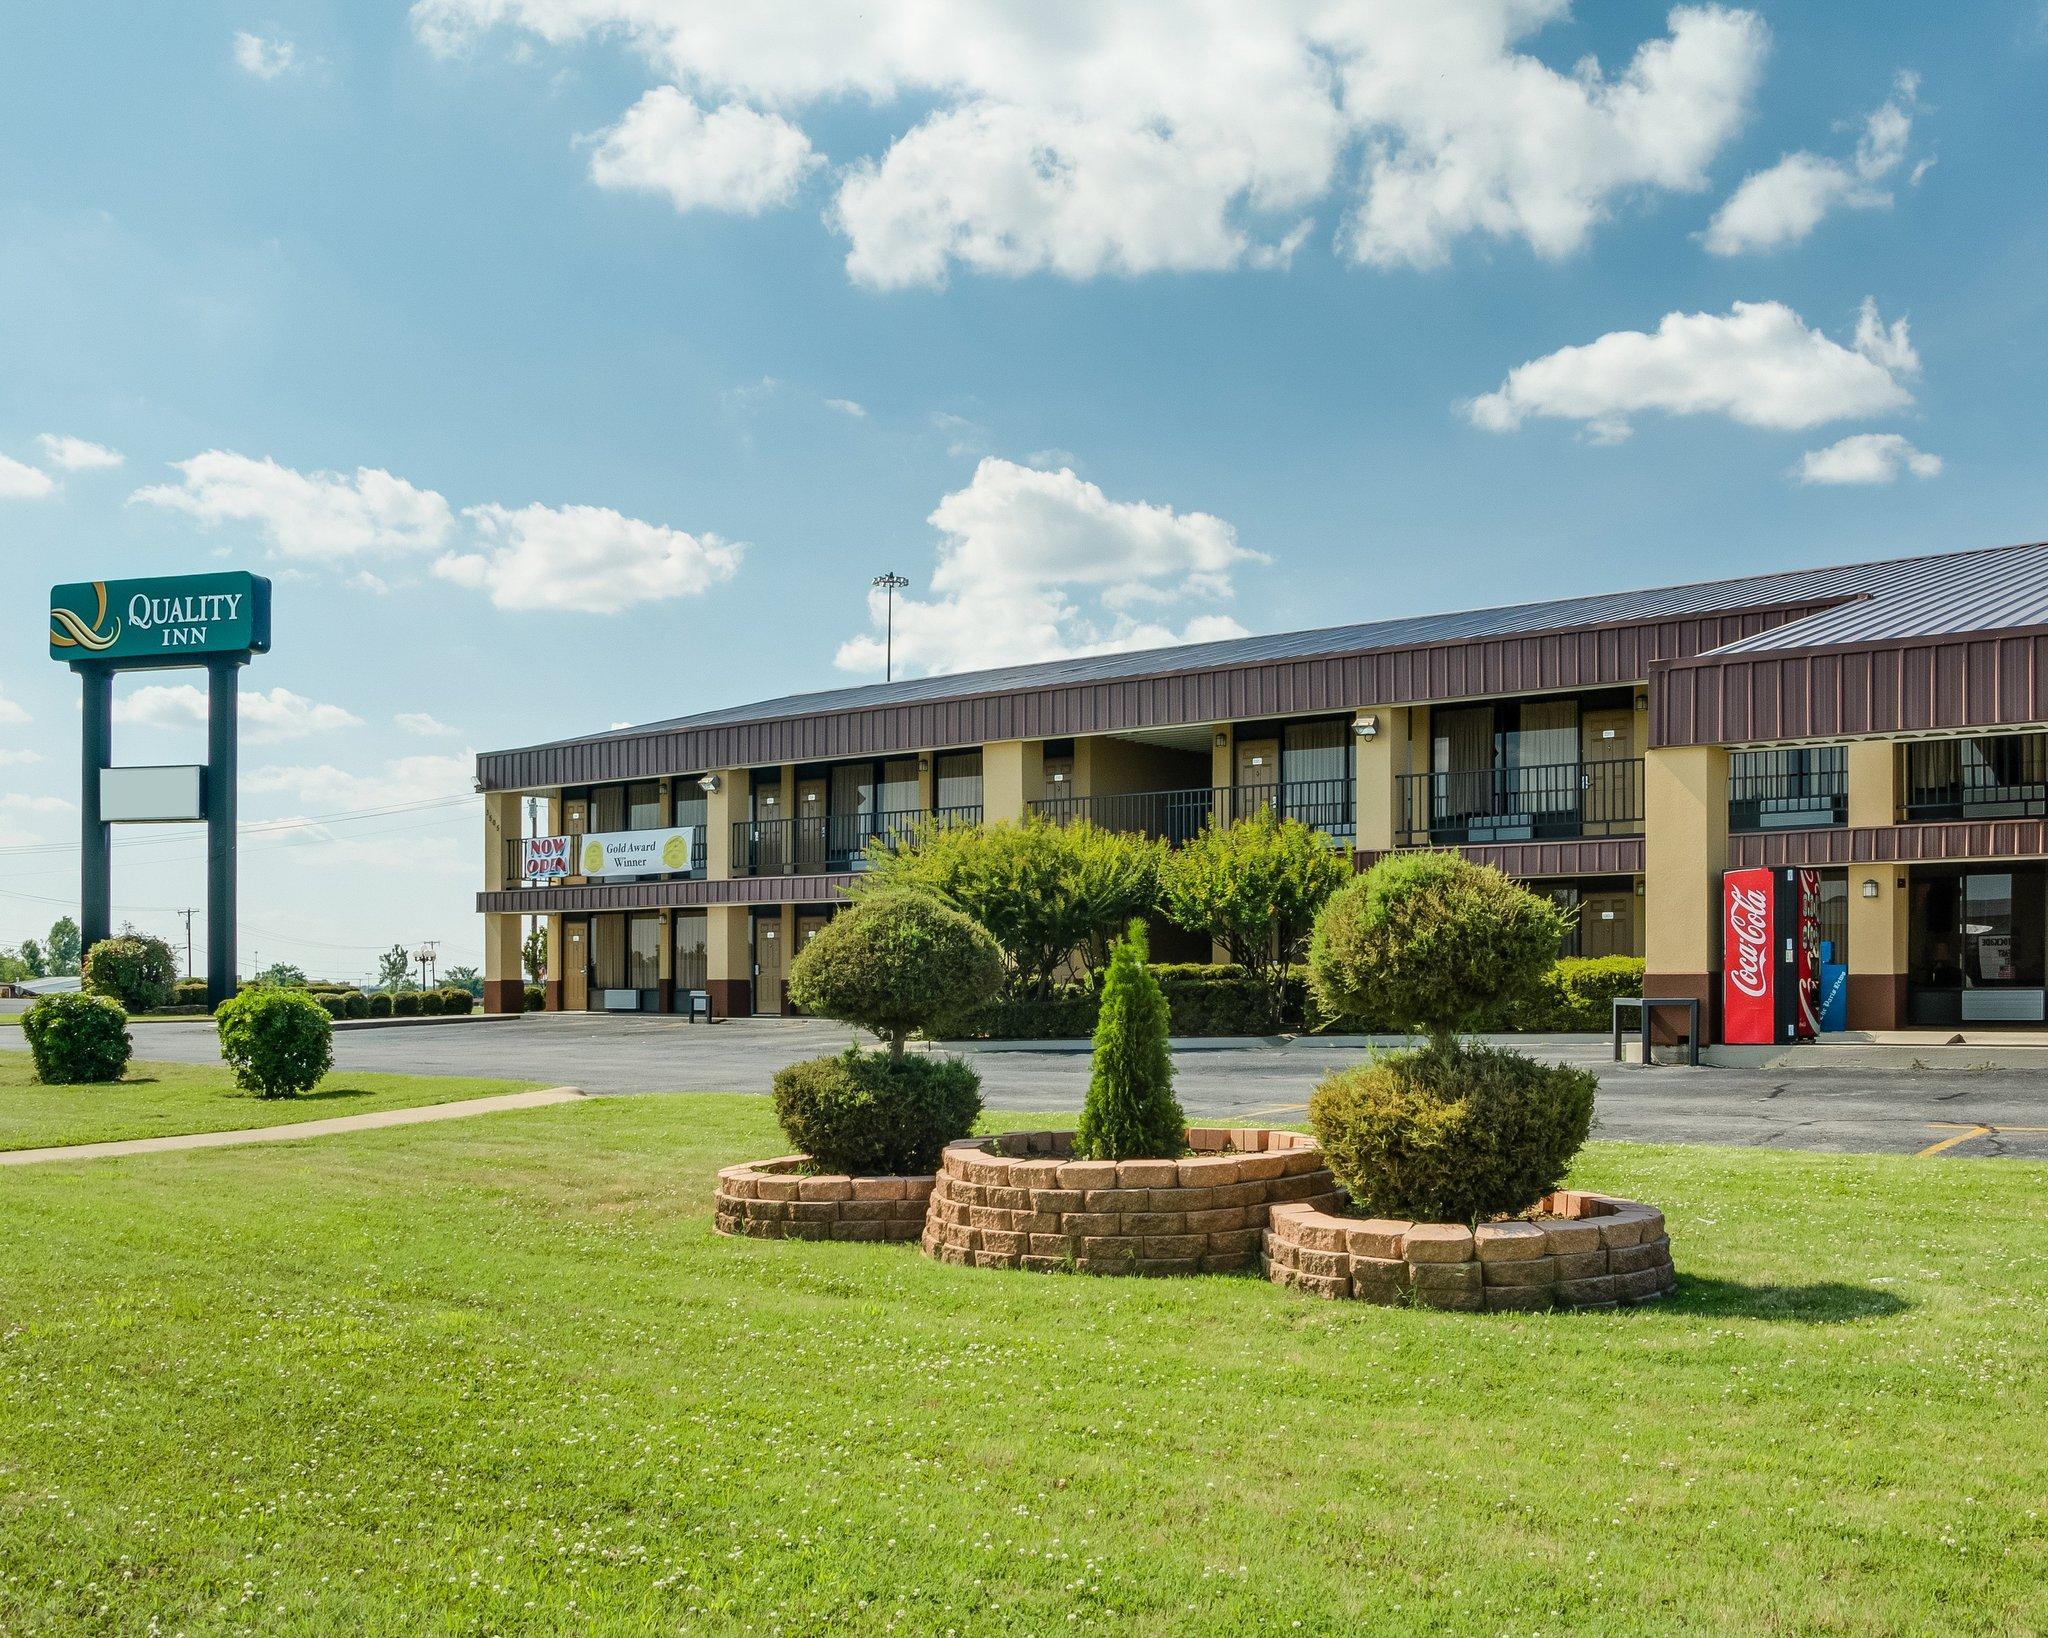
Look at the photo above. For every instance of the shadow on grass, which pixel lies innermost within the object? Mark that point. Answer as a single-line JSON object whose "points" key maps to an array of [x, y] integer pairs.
{"points": [[1826, 1302]]}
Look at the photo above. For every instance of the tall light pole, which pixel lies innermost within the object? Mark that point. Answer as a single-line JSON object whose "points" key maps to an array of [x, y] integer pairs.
{"points": [[889, 584]]}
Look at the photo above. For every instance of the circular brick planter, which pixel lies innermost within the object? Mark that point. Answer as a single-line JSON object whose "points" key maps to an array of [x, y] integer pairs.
{"points": [[778, 1200], [1579, 1251], [1022, 1201]]}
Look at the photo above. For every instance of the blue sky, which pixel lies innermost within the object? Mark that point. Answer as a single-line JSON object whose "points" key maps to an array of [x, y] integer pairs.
{"points": [[1198, 322]]}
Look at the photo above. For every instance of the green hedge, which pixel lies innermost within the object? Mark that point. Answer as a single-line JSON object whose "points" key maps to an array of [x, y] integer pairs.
{"points": [[535, 998], [189, 992], [1578, 994]]}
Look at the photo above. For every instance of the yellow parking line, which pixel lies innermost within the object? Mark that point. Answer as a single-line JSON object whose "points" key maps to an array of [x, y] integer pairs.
{"points": [[1277, 1109], [1952, 1140]]}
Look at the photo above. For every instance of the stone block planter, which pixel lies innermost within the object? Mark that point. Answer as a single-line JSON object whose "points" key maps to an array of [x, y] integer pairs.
{"points": [[1577, 1250], [779, 1200], [1022, 1201]]}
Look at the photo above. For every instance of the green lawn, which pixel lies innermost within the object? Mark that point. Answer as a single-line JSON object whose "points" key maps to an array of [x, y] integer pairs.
{"points": [[499, 1375], [156, 1100]]}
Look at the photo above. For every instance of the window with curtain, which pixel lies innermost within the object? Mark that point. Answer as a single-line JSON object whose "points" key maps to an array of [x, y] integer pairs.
{"points": [[853, 789], [691, 805], [643, 952], [959, 779], [643, 805], [693, 967], [1541, 752], [1315, 750], [608, 953], [899, 785], [608, 808]]}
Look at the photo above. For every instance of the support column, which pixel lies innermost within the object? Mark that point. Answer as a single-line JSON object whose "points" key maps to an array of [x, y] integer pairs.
{"points": [[504, 983], [96, 856], [1012, 774], [223, 698], [1685, 849], [1380, 761], [1877, 926], [721, 808], [729, 958]]}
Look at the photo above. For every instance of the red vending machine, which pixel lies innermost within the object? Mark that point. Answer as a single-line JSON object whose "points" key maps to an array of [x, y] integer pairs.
{"points": [[1770, 951]]}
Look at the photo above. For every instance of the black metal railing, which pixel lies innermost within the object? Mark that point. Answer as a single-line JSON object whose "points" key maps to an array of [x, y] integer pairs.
{"points": [[1546, 802], [1179, 816], [515, 860], [827, 843], [1998, 776], [1781, 790]]}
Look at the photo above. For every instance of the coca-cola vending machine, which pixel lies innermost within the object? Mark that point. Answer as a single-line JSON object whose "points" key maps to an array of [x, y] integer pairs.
{"points": [[1770, 942]]}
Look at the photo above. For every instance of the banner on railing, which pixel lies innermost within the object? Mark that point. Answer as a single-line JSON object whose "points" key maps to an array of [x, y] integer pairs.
{"points": [[608, 853]]}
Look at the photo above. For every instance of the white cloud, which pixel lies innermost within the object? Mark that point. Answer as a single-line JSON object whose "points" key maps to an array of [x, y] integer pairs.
{"points": [[76, 454], [1083, 139], [266, 717], [305, 514], [734, 158], [846, 406], [586, 558], [424, 725], [1866, 457], [19, 759], [1783, 204], [19, 482], [324, 788], [11, 713], [1758, 364], [1034, 565], [266, 58]]}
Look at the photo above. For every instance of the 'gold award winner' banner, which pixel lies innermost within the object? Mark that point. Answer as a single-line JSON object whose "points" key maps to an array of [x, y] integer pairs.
{"points": [[608, 853]]}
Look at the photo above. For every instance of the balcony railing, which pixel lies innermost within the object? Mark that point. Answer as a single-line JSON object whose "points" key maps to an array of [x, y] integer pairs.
{"points": [[827, 843], [1179, 816], [515, 860], [1783, 790], [2003, 776], [1550, 801]]}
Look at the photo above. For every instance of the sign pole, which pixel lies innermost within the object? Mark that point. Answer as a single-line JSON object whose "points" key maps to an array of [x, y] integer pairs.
{"points": [[222, 704], [96, 859]]}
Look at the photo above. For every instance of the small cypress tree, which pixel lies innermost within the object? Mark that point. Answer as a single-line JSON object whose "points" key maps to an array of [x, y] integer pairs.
{"points": [[1131, 1111]]}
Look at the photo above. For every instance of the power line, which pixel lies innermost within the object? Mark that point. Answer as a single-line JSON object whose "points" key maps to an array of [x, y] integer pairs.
{"points": [[262, 828]]}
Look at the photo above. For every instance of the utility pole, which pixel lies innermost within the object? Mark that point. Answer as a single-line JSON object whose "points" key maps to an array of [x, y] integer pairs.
{"points": [[188, 915], [889, 585]]}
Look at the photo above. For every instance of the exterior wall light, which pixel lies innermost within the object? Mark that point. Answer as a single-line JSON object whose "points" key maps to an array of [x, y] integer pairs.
{"points": [[709, 784], [1222, 739], [1365, 727], [1870, 887]]}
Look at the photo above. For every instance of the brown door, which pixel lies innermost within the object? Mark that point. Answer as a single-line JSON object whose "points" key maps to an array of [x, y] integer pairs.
{"points": [[1612, 786], [575, 966], [810, 827], [771, 966], [1607, 924], [1258, 777]]}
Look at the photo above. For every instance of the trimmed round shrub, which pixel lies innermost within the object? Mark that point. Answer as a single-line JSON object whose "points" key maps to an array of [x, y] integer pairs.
{"points": [[189, 992], [77, 1040], [406, 1004], [535, 998], [457, 1002], [869, 1114], [380, 1005], [895, 962], [1432, 942], [1451, 1134], [136, 970], [429, 1003], [333, 1005], [356, 1005], [278, 1042]]}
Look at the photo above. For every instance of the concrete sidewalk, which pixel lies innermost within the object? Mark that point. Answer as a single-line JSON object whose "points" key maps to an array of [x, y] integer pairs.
{"points": [[417, 1116]]}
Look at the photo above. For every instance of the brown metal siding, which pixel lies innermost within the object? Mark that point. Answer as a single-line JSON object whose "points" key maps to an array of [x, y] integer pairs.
{"points": [[1611, 856], [541, 901], [1600, 657], [1923, 687], [1891, 844]]}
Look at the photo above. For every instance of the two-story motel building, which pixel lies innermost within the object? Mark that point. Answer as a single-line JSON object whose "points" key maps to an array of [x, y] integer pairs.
{"points": [[1885, 722]]}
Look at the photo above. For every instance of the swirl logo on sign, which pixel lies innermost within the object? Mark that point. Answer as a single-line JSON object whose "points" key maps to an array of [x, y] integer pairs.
{"points": [[75, 633]]}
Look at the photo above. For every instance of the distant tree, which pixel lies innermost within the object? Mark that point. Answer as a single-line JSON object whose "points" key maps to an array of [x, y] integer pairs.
{"points": [[394, 969], [533, 955], [64, 948], [1254, 887], [284, 974], [12, 968], [34, 959], [464, 978]]}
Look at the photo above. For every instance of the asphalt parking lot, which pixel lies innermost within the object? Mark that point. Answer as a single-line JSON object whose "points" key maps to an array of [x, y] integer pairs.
{"points": [[1956, 1114]]}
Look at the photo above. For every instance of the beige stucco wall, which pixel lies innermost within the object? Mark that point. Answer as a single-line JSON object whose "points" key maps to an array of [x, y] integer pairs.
{"points": [[1685, 849], [1012, 775], [1380, 762]]}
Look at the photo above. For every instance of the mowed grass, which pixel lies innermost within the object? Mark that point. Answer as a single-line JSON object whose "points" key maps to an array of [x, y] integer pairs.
{"points": [[160, 1100], [500, 1376]]}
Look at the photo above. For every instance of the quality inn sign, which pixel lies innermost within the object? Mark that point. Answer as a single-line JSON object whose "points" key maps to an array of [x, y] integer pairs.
{"points": [[167, 621]]}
